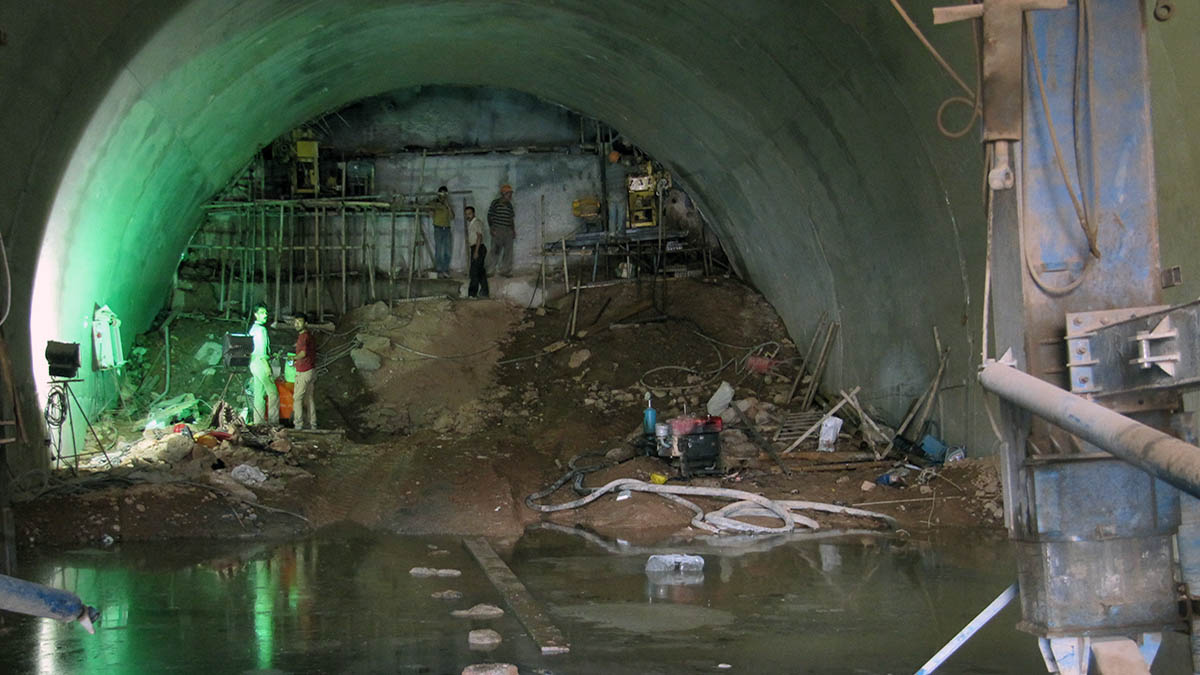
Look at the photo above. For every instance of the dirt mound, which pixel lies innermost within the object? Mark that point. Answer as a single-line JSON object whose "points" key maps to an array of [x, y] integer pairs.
{"points": [[435, 363]]}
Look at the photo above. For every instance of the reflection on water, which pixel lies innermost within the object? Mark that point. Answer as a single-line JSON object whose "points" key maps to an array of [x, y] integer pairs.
{"points": [[347, 604]]}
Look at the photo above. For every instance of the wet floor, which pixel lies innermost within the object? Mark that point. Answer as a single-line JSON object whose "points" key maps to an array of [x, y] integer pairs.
{"points": [[347, 604]]}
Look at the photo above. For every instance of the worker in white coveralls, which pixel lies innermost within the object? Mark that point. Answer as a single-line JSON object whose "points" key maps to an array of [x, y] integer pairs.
{"points": [[262, 383]]}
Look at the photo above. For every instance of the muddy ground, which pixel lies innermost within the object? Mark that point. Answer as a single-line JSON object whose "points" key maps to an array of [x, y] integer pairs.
{"points": [[441, 416]]}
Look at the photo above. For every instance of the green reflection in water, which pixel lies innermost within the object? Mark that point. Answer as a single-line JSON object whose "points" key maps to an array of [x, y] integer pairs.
{"points": [[112, 645], [264, 612]]}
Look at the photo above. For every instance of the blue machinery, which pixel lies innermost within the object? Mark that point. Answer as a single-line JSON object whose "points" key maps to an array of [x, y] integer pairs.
{"points": [[1077, 304]]}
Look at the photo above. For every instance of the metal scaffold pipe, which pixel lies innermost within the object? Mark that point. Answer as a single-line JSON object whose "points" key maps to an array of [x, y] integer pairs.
{"points": [[26, 597], [1161, 455]]}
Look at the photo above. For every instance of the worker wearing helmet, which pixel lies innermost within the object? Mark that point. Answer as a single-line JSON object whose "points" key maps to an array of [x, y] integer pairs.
{"points": [[503, 226]]}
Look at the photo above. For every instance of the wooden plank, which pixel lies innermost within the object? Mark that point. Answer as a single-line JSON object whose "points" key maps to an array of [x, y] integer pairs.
{"points": [[811, 392], [547, 636], [636, 309], [831, 457], [850, 466], [804, 363]]}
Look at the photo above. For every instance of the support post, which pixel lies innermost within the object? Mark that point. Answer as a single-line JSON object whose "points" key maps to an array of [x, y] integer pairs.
{"points": [[292, 259], [242, 218], [262, 243], [222, 306], [392, 262], [8, 530], [304, 258], [1079, 232], [319, 216], [278, 262], [342, 213]]}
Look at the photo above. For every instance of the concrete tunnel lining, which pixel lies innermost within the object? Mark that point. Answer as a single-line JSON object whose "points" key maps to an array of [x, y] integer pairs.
{"points": [[806, 136]]}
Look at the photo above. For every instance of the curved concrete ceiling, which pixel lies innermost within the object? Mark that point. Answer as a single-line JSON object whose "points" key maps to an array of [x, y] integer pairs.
{"points": [[805, 131]]}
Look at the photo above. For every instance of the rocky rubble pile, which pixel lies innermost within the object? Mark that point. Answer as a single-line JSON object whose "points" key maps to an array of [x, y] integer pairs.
{"points": [[987, 492]]}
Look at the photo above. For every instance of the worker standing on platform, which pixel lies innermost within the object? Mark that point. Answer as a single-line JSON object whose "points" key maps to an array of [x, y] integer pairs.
{"points": [[262, 383], [616, 192], [502, 222], [304, 404], [477, 251], [443, 214]]}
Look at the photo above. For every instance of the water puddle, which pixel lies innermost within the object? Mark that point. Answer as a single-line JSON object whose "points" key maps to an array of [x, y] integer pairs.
{"points": [[857, 603]]}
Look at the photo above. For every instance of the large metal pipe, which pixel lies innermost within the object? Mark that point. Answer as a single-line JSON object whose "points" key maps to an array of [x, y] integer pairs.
{"points": [[26, 597], [1163, 456]]}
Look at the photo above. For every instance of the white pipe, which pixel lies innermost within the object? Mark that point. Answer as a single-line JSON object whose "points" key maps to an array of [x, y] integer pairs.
{"points": [[749, 504], [969, 630], [1149, 449]]}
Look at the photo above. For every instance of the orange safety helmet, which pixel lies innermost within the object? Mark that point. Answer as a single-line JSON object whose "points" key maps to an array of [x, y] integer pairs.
{"points": [[506, 188]]}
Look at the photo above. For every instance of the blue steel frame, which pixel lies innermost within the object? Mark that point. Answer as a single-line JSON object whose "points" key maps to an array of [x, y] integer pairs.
{"points": [[1093, 534]]}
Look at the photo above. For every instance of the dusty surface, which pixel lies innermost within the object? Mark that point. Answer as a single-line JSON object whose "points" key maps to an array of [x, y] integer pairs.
{"points": [[473, 406]]}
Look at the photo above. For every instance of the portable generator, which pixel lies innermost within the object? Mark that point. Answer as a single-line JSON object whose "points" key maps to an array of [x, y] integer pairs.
{"points": [[691, 444]]}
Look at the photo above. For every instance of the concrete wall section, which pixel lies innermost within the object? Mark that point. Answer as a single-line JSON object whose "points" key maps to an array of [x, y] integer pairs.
{"points": [[60, 62]]}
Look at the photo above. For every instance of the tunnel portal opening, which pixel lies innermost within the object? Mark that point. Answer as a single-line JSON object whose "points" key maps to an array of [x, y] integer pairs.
{"points": [[337, 220]]}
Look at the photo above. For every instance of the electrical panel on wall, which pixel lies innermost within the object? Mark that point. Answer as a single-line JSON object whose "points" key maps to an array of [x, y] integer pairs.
{"points": [[106, 339]]}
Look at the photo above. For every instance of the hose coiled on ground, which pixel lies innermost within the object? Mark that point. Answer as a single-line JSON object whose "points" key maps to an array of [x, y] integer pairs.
{"points": [[721, 520]]}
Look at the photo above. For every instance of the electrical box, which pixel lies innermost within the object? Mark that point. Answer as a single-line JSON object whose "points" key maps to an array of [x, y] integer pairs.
{"points": [[106, 339], [305, 174]]}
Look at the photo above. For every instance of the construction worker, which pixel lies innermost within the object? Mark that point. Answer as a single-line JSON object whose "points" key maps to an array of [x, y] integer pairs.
{"points": [[443, 214], [616, 192], [262, 382], [304, 405], [478, 287], [503, 224]]}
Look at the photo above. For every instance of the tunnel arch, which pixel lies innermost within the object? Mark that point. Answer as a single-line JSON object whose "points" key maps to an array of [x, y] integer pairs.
{"points": [[804, 131]]}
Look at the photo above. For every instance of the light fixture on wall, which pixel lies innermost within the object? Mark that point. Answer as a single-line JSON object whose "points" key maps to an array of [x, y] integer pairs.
{"points": [[236, 349]]}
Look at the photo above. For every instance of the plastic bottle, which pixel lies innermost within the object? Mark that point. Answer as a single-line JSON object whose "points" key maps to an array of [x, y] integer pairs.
{"points": [[674, 562], [649, 417]]}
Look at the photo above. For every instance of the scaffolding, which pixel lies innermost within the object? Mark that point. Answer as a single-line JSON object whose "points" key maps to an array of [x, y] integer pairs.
{"points": [[315, 253]]}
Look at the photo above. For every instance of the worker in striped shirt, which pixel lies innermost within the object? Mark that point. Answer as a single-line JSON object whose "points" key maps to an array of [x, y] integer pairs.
{"points": [[503, 226]]}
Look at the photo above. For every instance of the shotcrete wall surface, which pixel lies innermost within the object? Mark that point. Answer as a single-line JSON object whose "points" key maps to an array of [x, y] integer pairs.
{"points": [[442, 117], [805, 130], [559, 178]]}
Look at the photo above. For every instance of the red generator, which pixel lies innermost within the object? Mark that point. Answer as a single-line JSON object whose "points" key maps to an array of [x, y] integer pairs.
{"points": [[693, 444]]}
